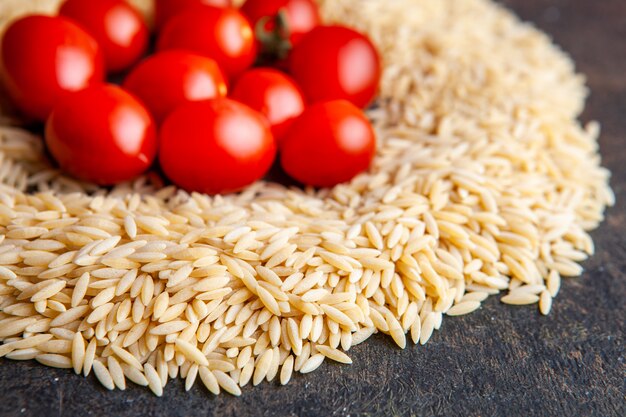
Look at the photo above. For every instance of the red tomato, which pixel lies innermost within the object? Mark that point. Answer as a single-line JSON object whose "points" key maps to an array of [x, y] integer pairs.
{"points": [[44, 57], [118, 28], [301, 16], [102, 134], [222, 34], [170, 79], [329, 144], [334, 62], [274, 95], [166, 9], [216, 146]]}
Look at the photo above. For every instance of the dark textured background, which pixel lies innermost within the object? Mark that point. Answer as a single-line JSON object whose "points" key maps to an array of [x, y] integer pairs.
{"points": [[499, 361]]}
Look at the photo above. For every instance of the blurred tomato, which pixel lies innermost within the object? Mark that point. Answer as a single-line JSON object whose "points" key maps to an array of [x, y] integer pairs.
{"points": [[330, 143], [44, 57], [290, 19], [170, 79], [216, 146], [333, 63], [224, 35], [166, 9], [101, 134], [273, 94], [118, 28]]}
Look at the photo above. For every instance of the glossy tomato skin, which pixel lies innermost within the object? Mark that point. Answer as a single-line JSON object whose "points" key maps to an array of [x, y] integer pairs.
{"points": [[169, 79], [102, 134], [216, 146], [330, 143], [302, 15], [223, 34], [274, 95], [117, 26], [166, 9], [334, 63], [45, 57]]}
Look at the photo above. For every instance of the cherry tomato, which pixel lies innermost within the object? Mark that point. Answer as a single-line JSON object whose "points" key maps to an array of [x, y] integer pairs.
{"points": [[222, 34], [216, 146], [44, 57], [301, 16], [166, 9], [119, 29], [334, 62], [102, 134], [274, 95], [170, 79], [329, 144]]}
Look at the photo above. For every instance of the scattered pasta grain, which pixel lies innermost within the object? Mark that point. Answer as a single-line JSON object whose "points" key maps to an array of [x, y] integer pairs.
{"points": [[463, 308], [312, 363], [103, 375], [334, 354]]}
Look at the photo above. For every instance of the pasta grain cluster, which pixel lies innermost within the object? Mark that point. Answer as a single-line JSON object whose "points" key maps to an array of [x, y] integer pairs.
{"points": [[484, 183]]}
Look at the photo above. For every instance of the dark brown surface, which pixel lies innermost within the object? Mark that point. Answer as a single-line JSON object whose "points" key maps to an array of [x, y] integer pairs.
{"points": [[500, 361]]}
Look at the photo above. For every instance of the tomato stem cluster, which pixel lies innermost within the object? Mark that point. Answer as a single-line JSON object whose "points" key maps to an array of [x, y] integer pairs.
{"points": [[273, 34]]}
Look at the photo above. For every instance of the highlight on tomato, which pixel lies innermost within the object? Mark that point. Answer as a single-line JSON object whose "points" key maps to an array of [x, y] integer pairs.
{"points": [[43, 58], [334, 63], [223, 34], [116, 25], [273, 94], [169, 79], [216, 146], [330, 143], [102, 134]]}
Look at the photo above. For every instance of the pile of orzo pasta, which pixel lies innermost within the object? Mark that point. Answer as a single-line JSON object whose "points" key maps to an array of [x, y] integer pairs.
{"points": [[484, 183]]}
